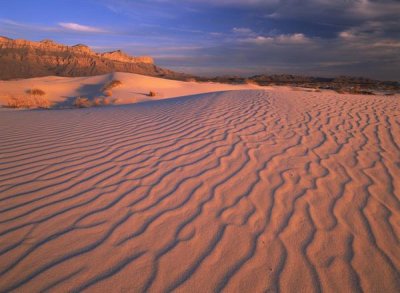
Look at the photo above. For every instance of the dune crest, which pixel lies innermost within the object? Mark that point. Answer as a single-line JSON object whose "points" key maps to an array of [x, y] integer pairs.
{"points": [[237, 191], [134, 88]]}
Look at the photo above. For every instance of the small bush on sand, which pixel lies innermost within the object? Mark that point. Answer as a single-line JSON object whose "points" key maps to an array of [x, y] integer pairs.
{"points": [[152, 94], [82, 102], [109, 101], [112, 84], [35, 92], [18, 102], [107, 93], [41, 102], [100, 101], [28, 102]]}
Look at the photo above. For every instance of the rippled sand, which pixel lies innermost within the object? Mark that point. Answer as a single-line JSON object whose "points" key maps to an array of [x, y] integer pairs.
{"points": [[237, 191]]}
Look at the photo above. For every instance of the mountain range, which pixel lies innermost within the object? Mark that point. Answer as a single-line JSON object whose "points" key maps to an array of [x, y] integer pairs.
{"points": [[24, 59]]}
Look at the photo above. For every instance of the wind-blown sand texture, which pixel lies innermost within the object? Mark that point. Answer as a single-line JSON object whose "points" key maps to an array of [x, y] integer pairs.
{"points": [[134, 88], [243, 191]]}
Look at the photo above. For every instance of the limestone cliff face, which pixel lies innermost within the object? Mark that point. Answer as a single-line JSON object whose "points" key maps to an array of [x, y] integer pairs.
{"points": [[24, 59], [123, 57]]}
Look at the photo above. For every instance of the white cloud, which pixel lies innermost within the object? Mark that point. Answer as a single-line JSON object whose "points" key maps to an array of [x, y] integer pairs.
{"points": [[293, 39], [80, 28], [280, 39], [242, 30], [346, 35]]}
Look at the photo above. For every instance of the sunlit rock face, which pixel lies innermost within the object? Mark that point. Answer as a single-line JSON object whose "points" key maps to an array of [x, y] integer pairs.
{"points": [[24, 59]]}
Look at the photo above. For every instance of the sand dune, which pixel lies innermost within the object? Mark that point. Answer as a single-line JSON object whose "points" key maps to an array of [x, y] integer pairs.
{"points": [[243, 191], [62, 91]]}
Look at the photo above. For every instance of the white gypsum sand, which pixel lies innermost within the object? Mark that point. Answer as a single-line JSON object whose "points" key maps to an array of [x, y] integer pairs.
{"points": [[242, 191], [134, 88]]}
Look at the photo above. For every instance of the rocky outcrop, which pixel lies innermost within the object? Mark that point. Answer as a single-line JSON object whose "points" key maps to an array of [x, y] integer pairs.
{"points": [[123, 57], [24, 59]]}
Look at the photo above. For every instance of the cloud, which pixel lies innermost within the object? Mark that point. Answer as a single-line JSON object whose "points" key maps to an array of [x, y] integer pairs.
{"points": [[287, 39], [321, 37], [80, 28], [15, 26], [224, 2], [242, 30], [12, 25], [374, 57]]}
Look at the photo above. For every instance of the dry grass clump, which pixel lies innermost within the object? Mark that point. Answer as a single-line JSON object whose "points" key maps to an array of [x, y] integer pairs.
{"points": [[152, 94], [28, 102], [112, 84], [35, 92], [82, 102], [42, 102]]}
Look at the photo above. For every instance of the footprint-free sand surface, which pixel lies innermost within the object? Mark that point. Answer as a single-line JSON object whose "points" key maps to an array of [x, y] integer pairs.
{"points": [[240, 191], [134, 88]]}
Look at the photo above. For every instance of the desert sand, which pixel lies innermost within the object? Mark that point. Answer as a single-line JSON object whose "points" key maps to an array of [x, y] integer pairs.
{"points": [[134, 88], [238, 191]]}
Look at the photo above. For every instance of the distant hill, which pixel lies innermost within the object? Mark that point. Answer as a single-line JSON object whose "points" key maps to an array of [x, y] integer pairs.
{"points": [[25, 59], [341, 84]]}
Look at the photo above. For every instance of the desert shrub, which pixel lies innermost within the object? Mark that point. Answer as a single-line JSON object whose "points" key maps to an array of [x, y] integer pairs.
{"points": [[99, 101], [103, 101], [109, 101], [41, 102], [152, 94], [35, 92], [112, 84], [28, 102], [108, 93], [82, 102], [18, 102]]}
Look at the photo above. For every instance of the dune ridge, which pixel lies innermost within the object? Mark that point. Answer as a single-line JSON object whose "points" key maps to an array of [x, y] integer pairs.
{"points": [[239, 191], [134, 88]]}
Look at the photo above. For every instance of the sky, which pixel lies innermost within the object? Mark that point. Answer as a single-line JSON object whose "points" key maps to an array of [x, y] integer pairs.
{"points": [[225, 37]]}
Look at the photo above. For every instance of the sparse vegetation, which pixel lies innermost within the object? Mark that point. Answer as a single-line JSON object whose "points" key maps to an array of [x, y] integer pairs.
{"points": [[152, 94], [82, 102], [354, 91], [35, 92], [112, 84], [98, 101], [109, 101], [108, 93], [28, 102]]}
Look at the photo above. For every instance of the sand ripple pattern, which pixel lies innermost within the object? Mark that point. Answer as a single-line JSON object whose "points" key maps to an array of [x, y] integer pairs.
{"points": [[234, 191]]}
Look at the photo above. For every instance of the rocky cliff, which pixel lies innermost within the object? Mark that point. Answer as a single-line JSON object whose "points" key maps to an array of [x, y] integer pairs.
{"points": [[24, 59]]}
